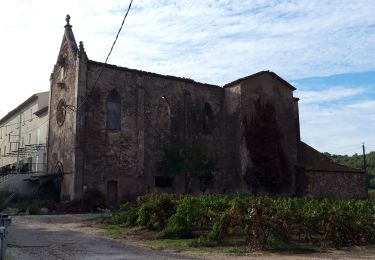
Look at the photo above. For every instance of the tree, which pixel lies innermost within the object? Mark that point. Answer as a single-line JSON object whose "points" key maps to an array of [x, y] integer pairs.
{"points": [[193, 163], [356, 161]]}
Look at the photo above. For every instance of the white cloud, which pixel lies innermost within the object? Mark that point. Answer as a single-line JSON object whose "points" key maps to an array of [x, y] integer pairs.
{"points": [[338, 128], [367, 105], [331, 94], [210, 41]]}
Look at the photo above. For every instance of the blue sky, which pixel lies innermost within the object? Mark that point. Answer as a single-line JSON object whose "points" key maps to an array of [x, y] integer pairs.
{"points": [[337, 112], [325, 48]]}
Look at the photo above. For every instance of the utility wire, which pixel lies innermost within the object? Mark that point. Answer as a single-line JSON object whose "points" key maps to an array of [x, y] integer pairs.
{"points": [[75, 109]]}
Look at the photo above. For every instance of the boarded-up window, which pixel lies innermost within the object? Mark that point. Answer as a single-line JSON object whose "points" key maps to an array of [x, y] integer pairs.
{"points": [[164, 114], [114, 111], [208, 119]]}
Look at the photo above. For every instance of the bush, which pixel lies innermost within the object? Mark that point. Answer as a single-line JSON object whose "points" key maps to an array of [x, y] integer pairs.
{"points": [[91, 201], [34, 207], [371, 194], [257, 219], [155, 212], [187, 218]]}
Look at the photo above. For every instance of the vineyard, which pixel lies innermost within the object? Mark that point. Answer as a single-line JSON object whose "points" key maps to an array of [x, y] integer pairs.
{"points": [[251, 221]]}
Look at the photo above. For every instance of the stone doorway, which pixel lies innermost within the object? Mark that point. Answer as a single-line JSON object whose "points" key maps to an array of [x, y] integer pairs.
{"points": [[112, 194]]}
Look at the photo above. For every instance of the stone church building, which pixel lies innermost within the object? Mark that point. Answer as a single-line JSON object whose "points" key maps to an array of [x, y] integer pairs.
{"points": [[127, 132]]}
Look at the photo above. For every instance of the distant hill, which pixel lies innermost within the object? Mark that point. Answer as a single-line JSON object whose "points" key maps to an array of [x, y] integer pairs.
{"points": [[356, 161]]}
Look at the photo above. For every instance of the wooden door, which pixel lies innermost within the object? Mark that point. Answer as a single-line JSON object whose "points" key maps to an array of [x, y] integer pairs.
{"points": [[112, 194]]}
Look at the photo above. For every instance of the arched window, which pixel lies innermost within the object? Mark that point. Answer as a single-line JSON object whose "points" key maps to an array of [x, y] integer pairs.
{"points": [[59, 168], [208, 119], [61, 112], [164, 114], [114, 111]]}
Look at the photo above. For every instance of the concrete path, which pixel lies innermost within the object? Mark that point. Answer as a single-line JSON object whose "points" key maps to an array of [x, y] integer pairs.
{"points": [[64, 237]]}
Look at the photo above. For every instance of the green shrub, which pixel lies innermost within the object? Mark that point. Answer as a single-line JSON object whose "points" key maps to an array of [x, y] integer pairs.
{"points": [[154, 212], [189, 216], [258, 220], [371, 194], [34, 207], [91, 201], [127, 216]]}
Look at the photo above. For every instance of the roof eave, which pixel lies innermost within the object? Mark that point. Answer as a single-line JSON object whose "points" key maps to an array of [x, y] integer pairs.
{"points": [[19, 108], [273, 74]]}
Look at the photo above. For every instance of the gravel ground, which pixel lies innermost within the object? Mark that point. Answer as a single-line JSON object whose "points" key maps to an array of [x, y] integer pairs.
{"points": [[66, 237]]}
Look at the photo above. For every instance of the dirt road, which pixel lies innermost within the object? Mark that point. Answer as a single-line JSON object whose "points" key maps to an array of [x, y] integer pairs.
{"points": [[64, 237], [67, 237]]}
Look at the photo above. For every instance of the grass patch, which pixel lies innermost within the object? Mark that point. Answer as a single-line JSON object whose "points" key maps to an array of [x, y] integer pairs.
{"points": [[142, 237], [234, 250], [279, 245], [189, 245], [113, 231]]}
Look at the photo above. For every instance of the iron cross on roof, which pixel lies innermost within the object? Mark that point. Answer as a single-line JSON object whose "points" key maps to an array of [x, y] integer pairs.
{"points": [[67, 19]]}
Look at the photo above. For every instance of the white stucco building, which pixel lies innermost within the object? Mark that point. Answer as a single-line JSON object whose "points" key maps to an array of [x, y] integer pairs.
{"points": [[23, 136]]}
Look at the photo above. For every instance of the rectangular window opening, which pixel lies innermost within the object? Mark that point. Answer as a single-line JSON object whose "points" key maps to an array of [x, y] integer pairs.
{"points": [[163, 182]]}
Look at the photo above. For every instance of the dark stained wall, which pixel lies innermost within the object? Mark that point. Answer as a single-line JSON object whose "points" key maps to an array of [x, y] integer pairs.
{"points": [[269, 135], [130, 156], [250, 128], [231, 179]]}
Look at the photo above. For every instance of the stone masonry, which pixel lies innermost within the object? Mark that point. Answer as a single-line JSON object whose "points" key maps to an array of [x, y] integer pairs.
{"points": [[117, 132]]}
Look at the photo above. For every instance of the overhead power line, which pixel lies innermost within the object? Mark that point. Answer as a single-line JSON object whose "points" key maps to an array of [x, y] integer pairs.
{"points": [[75, 109]]}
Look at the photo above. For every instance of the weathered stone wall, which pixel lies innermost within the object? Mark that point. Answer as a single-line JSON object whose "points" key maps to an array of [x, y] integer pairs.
{"points": [[231, 179], [61, 141], [129, 156], [319, 177], [341, 185], [269, 135], [250, 128]]}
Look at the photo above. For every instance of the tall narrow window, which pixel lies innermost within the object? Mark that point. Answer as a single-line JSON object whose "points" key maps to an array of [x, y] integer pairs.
{"points": [[114, 111], [38, 137], [59, 168], [188, 124], [164, 114], [61, 112], [208, 119]]}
